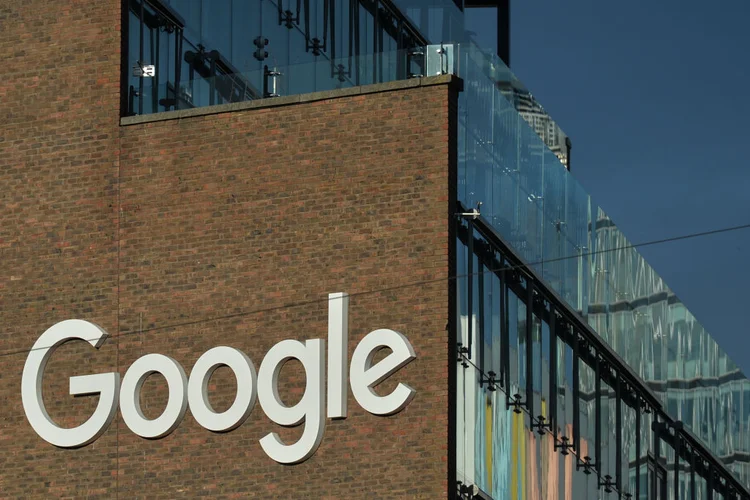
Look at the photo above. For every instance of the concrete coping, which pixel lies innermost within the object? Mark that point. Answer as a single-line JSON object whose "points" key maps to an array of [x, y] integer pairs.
{"points": [[429, 81]]}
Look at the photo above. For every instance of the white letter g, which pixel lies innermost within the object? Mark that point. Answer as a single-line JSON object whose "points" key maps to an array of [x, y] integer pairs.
{"points": [[107, 385]]}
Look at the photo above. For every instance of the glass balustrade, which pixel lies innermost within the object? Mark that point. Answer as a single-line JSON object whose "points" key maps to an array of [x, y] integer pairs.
{"points": [[175, 46], [280, 81]]}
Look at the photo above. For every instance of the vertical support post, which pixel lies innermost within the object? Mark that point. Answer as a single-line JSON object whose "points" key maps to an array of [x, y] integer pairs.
{"points": [[332, 49], [308, 35], [598, 411], [618, 432], [677, 451], [356, 41], [655, 427], [454, 316], [177, 66], [638, 449], [191, 79], [140, 62], [504, 332], [503, 30], [375, 16], [470, 289], [530, 347], [212, 82], [580, 276], [576, 395], [327, 10], [480, 319], [692, 474], [125, 54], [400, 59], [379, 47], [553, 372], [353, 4], [155, 43]]}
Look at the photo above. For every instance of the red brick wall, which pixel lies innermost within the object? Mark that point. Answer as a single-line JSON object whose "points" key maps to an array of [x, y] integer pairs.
{"points": [[59, 145], [228, 229]]}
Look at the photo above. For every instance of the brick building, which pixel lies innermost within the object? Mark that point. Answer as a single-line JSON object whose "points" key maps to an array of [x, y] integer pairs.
{"points": [[188, 175]]}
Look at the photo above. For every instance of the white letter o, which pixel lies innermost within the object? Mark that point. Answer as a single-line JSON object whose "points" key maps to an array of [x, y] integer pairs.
{"points": [[130, 396], [200, 407]]}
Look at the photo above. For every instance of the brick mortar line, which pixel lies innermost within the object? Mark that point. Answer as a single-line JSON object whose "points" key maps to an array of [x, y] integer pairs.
{"points": [[376, 88]]}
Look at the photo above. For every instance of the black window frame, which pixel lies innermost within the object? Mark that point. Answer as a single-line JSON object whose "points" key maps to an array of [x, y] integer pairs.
{"points": [[503, 24]]}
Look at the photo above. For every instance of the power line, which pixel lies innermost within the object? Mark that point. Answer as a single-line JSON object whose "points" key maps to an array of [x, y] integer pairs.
{"points": [[406, 285], [691, 235]]}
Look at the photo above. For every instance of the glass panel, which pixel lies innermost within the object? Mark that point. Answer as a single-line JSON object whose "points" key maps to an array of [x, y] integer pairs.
{"points": [[517, 317], [565, 406], [587, 413], [198, 91], [608, 444], [441, 21], [628, 459], [542, 364]]}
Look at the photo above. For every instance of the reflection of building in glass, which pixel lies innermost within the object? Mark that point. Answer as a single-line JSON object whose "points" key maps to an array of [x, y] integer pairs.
{"points": [[219, 166], [544, 126], [695, 379], [545, 366]]}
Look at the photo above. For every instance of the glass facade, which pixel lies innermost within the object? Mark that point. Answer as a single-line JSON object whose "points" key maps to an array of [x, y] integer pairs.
{"points": [[545, 408], [526, 195], [580, 374]]}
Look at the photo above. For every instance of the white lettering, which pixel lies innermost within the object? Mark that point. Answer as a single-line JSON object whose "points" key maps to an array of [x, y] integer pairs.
{"points": [[338, 351], [105, 384], [193, 392], [364, 375], [130, 396], [244, 371], [308, 410]]}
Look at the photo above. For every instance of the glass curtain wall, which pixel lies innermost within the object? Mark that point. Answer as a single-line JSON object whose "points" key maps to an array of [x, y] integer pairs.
{"points": [[185, 53], [539, 415], [545, 410], [526, 194]]}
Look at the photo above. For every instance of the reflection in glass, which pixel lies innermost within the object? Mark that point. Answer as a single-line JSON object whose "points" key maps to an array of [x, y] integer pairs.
{"points": [[543, 414], [540, 210]]}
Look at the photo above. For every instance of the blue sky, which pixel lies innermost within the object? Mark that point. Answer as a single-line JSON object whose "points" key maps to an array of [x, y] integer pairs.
{"points": [[655, 97]]}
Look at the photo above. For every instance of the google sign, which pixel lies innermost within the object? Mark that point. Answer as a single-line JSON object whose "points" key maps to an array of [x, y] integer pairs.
{"points": [[316, 403]]}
